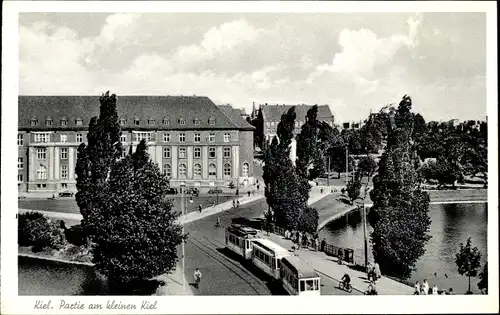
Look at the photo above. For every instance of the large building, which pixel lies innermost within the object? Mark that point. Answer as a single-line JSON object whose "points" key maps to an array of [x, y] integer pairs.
{"points": [[193, 141], [272, 117]]}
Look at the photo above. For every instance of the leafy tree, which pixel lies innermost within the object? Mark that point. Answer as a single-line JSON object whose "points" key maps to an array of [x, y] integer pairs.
{"points": [[353, 140], [367, 166], [483, 283], [258, 134], [124, 203], [399, 215], [38, 231], [354, 187], [25, 236], [338, 159], [308, 220], [468, 260]]}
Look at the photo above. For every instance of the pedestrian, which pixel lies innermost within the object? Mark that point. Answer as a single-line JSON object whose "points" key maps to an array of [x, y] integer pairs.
{"points": [[376, 270], [258, 187], [248, 193], [237, 192], [323, 244], [417, 288], [199, 208], [237, 203], [316, 243], [321, 190], [234, 203], [197, 278], [435, 290], [425, 287], [369, 270], [253, 192], [213, 205], [450, 292]]}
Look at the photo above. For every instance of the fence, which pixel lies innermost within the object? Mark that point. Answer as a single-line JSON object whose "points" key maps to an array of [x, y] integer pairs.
{"points": [[344, 254]]}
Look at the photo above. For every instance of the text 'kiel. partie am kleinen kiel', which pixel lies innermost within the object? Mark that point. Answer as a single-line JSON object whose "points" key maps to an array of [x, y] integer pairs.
{"points": [[110, 305]]}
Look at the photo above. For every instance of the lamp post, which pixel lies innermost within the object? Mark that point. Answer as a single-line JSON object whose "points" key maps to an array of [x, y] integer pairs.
{"points": [[346, 165], [365, 234], [183, 187]]}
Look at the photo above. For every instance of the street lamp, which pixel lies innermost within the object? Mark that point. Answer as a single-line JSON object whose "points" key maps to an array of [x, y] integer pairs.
{"points": [[183, 187]]}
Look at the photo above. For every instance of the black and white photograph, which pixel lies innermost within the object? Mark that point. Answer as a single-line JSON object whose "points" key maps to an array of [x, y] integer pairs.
{"points": [[252, 152]]}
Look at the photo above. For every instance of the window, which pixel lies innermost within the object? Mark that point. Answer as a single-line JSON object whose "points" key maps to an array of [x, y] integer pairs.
{"points": [[151, 122], [227, 152], [182, 137], [42, 137], [20, 163], [137, 121], [166, 137], [139, 136], [167, 170], [79, 122], [64, 171], [79, 137], [20, 178], [182, 171], [123, 121], [197, 152], [212, 170], [41, 153], [166, 121], [64, 186], [64, 122], [182, 121], [123, 138], [41, 173], [166, 153], [20, 139], [302, 286], [211, 121], [245, 169], [227, 169], [182, 153], [48, 121], [197, 170], [197, 138], [196, 121], [211, 152], [124, 152], [211, 137], [41, 186], [64, 153], [64, 138], [227, 137]]}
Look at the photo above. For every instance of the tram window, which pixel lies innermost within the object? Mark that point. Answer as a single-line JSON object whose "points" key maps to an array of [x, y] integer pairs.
{"points": [[266, 260], [310, 285], [278, 263], [316, 286], [302, 286]]}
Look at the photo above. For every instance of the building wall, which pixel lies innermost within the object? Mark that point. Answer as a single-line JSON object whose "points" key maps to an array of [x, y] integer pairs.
{"points": [[246, 153]]}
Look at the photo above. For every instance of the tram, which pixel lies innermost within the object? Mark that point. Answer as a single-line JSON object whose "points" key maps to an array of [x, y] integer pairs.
{"points": [[267, 255], [239, 240], [298, 278]]}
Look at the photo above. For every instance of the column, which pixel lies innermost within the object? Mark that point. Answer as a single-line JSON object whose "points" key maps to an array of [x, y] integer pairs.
{"points": [[57, 156], [218, 152], [50, 163], [236, 161], [189, 162], [32, 170], [71, 163], [174, 161], [204, 158], [152, 153], [159, 156]]}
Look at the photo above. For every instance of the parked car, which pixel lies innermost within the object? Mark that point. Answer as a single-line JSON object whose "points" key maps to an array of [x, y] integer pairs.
{"points": [[193, 191], [215, 191], [66, 194], [172, 191]]}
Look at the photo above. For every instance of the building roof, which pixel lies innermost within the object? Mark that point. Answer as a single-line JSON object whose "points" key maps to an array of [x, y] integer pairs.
{"points": [[274, 112], [235, 116], [143, 108], [301, 267], [272, 246]]}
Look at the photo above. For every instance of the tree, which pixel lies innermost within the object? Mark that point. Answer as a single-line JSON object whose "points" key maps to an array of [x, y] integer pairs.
{"points": [[125, 206], [258, 134], [367, 167], [354, 187], [38, 231], [483, 283], [399, 215], [468, 260]]}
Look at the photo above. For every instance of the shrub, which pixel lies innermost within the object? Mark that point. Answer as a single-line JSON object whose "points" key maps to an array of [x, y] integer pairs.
{"points": [[24, 235], [38, 231], [76, 235]]}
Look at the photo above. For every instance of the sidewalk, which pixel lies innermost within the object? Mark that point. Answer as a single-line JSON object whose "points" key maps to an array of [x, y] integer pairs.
{"points": [[175, 284], [327, 266]]}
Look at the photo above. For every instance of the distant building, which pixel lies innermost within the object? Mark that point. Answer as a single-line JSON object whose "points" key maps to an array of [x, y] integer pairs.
{"points": [[354, 125], [193, 141], [272, 117]]}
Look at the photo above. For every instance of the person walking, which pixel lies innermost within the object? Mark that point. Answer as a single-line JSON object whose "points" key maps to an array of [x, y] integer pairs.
{"points": [[417, 288], [248, 193], [376, 271], [234, 203], [369, 271], [197, 278], [237, 203], [435, 290], [425, 287]]}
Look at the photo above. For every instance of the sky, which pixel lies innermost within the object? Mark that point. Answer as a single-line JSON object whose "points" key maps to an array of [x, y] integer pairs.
{"points": [[354, 62]]}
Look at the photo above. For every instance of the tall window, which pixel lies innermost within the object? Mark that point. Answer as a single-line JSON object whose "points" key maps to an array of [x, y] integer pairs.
{"points": [[64, 153], [182, 171], [64, 138], [123, 138], [139, 136], [197, 152], [20, 139], [166, 153], [197, 137], [211, 137], [182, 137], [245, 169], [20, 178], [182, 153], [227, 169], [212, 170], [227, 152], [79, 137], [167, 170], [227, 137], [41, 153], [211, 152], [166, 137], [41, 173], [197, 170], [20, 163], [64, 171], [42, 137], [124, 152]]}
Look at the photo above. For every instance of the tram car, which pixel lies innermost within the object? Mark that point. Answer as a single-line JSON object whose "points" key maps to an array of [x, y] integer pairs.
{"points": [[267, 255], [239, 240], [299, 278]]}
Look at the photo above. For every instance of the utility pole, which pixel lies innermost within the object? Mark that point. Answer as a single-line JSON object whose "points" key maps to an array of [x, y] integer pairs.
{"points": [[183, 253], [365, 234], [346, 165], [328, 174]]}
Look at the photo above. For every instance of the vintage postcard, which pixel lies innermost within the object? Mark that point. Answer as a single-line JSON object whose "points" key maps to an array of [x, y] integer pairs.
{"points": [[203, 157]]}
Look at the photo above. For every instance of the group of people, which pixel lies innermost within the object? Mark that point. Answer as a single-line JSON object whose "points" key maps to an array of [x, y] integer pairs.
{"points": [[373, 272], [236, 203], [425, 289], [303, 239]]}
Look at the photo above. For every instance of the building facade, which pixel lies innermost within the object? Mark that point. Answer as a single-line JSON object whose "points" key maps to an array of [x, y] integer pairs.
{"points": [[193, 141], [272, 117]]}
